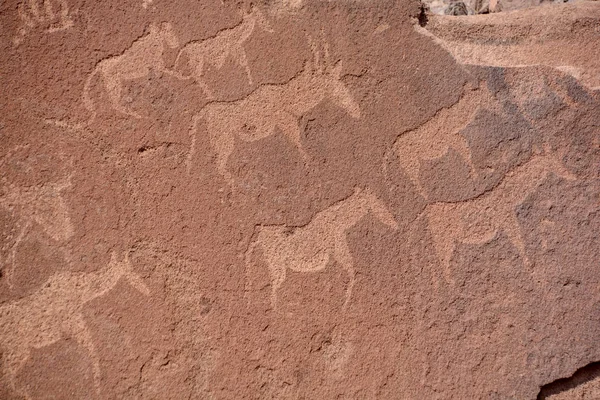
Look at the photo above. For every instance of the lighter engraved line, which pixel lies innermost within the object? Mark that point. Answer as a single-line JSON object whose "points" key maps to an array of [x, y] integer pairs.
{"points": [[55, 311], [477, 221], [216, 50], [273, 106], [309, 248]]}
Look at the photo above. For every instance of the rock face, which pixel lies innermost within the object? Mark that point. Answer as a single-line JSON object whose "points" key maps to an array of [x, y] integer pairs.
{"points": [[288, 200]]}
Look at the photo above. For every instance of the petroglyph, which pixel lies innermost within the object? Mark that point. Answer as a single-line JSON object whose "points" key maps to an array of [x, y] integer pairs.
{"points": [[336, 355], [42, 205], [309, 248], [144, 55], [273, 106], [477, 221], [283, 7], [52, 16], [214, 51], [55, 311], [434, 138], [537, 36]]}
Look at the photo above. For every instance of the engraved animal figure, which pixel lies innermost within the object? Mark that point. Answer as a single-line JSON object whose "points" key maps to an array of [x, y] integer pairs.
{"points": [[144, 55], [531, 37], [434, 138], [310, 247], [477, 221], [214, 51], [43, 205], [273, 106], [55, 311], [47, 16]]}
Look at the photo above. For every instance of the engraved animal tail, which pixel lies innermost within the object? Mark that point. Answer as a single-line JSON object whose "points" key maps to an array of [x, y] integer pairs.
{"points": [[253, 242], [193, 131], [132, 277], [87, 98]]}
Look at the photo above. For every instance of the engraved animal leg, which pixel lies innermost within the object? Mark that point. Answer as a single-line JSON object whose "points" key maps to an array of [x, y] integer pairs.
{"points": [[459, 143], [199, 76], [79, 330], [193, 133], [13, 254], [343, 256], [444, 239], [289, 125], [512, 228], [207, 92], [240, 55], [13, 361], [408, 156], [224, 147], [196, 63], [134, 279], [277, 273]]}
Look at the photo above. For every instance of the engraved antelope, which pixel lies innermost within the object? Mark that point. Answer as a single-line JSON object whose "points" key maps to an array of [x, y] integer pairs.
{"points": [[42, 205], [309, 248], [214, 51], [55, 311], [477, 221], [434, 138], [145, 54], [32, 16], [272, 106]]}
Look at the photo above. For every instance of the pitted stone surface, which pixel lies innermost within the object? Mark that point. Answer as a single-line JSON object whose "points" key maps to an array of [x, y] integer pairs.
{"points": [[298, 200]]}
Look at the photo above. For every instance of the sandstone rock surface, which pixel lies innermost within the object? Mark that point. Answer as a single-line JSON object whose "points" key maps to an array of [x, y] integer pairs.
{"points": [[298, 200]]}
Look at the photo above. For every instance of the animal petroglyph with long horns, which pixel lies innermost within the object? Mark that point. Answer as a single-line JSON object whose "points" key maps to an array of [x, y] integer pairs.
{"points": [[273, 106]]}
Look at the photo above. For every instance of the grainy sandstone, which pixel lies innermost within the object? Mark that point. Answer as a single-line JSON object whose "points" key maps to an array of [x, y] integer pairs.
{"points": [[298, 200]]}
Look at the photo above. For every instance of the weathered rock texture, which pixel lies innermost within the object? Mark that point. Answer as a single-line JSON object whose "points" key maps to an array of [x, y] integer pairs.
{"points": [[298, 200]]}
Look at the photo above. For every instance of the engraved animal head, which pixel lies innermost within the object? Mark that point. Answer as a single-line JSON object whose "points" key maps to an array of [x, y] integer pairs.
{"points": [[328, 78]]}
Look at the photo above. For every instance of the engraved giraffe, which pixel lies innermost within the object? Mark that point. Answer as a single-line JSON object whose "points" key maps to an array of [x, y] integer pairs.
{"points": [[55, 311], [273, 106], [32, 16], [43, 205], [477, 221], [310, 247], [144, 55], [434, 138], [214, 51]]}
